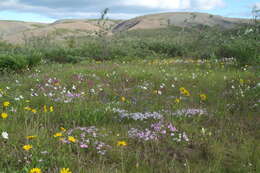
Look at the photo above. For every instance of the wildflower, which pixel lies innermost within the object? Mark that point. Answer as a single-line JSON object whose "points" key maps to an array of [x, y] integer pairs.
{"points": [[123, 99], [65, 170], [6, 104], [5, 135], [203, 97], [27, 147], [184, 91], [4, 115], [83, 146], [27, 108], [203, 130], [57, 135], [51, 109], [177, 100], [45, 108], [121, 143], [34, 111], [31, 137], [71, 139], [63, 129], [35, 170], [241, 81]]}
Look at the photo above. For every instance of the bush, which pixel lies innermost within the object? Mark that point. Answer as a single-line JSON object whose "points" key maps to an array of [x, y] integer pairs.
{"points": [[19, 61], [12, 62], [63, 55], [244, 51]]}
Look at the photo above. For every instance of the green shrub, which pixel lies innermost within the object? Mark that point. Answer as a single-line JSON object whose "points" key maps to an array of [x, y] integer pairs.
{"points": [[12, 62], [244, 51], [63, 55], [18, 61]]}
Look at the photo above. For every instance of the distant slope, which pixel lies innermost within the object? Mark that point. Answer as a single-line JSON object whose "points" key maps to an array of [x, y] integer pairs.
{"points": [[181, 19], [18, 32], [13, 27]]}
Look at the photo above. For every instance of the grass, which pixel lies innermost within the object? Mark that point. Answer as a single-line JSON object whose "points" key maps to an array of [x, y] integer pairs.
{"points": [[224, 138]]}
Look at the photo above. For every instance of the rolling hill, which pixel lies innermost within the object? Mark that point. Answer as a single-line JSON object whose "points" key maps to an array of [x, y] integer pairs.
{"points": [[18, 32], [180, 19]]}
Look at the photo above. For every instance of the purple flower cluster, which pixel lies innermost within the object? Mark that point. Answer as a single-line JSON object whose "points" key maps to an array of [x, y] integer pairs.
{"points": [[158, 131], [189, 112], [88, 138], [123, 114]]}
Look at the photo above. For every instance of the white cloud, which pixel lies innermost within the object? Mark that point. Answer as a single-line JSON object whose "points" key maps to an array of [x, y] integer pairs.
{"points": [[164, 4], [175, 4], [210, 4], [91, 8], [257, 5]]}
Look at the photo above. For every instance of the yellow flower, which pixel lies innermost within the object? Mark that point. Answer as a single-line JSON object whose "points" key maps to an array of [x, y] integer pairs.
{"points": [[35, 170], [4, 115], [121, 143], [123, 99], [71, 139], [31, 137], [203, 97], [241, 81], [184, 91], [63, 129], [45, 108], [177, 100], [34, 111], [6, 104], [51, 109], [65, 170], [27, 147], [27, 108], [57, 135]]}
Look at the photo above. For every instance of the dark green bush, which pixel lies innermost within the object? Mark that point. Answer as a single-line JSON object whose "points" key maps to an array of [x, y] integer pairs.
{"points": [[19, 61], [12, 62], [244, 51], [63, 55]]}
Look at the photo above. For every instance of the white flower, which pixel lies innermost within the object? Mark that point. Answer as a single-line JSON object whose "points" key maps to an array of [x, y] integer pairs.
{"points": [[203, 131], [5, 135], [92, 90]]}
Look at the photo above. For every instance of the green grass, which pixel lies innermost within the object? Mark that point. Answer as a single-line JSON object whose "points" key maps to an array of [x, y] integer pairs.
{"points": [[230, 142]]}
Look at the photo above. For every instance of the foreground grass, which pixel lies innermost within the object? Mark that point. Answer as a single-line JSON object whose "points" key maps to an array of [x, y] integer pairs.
{"points": [[216, 115]]}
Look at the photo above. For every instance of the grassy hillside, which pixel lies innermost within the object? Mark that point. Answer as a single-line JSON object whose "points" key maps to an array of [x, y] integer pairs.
{"points": [[180, 19]]}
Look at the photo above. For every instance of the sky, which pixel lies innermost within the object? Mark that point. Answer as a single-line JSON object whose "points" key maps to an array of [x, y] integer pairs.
{"points": [[52, 10]]}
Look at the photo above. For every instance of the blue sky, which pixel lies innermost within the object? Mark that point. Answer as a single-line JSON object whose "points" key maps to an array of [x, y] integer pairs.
{"points": [[51, 10]]}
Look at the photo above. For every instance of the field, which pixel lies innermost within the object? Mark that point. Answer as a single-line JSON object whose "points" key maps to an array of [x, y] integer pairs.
{"points": [[151, 115], [181, 99]]}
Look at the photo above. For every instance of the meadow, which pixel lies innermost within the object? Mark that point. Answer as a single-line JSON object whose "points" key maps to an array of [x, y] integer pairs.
{"points": [[139, 101], [140, 116]]}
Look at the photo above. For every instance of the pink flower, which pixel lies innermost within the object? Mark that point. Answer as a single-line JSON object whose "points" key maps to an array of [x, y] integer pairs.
{"points": [[83, 146]]}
